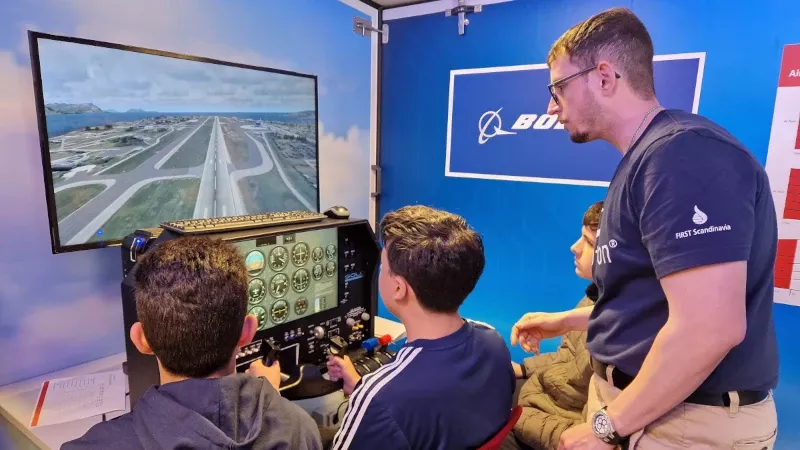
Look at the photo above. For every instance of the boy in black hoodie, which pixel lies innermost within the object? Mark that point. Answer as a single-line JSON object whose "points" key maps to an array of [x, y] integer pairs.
{"points": [[191, 299]]}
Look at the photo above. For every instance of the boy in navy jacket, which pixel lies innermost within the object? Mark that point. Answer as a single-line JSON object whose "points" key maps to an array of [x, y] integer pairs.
{"points": [[451, 385], [191, 300]]}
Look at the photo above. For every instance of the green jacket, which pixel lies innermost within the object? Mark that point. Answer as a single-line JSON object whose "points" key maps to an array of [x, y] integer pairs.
{"points": [[555, 394]]}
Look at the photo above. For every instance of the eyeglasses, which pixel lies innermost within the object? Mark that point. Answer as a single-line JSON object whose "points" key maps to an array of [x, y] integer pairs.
{"points": [[552, 86]]}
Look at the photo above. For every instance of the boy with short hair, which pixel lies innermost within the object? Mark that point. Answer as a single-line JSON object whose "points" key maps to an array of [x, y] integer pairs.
{"points": [[451, 384], [555, 393], [191, 300]]}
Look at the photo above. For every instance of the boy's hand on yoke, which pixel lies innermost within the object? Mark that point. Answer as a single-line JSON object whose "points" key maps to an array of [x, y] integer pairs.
{"points": [[272, 373], [343, 369]]}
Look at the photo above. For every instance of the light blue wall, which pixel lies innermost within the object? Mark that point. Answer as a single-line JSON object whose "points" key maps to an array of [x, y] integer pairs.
{"points": [[62, 310], [529, 227]]}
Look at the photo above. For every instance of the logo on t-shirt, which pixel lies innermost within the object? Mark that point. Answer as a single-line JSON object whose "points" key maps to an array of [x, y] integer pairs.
{"points": [[700, 218], [602, 252]]}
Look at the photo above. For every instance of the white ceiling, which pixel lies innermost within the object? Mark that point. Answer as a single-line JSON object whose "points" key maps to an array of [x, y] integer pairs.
{"points": [[396, 2]]}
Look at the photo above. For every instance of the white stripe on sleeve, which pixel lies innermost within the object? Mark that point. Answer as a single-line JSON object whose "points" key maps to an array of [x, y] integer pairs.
{"points": [[371, 394], [366, 383]]}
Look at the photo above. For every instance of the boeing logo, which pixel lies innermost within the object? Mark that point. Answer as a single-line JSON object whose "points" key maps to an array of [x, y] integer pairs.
{"points": [[492, 119], [483, 123]]}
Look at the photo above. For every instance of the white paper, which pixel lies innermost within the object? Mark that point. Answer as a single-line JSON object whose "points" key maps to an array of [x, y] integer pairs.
{"points": [[67, 399]]}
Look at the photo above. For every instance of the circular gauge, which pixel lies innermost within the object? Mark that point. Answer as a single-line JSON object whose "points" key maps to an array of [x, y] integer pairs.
{"points": [[300, 254], [300, 306], [279, 285], [300, 280], [316, 272], [278, 258], [330, 269], [261, 315], [330, 252], [256, 290], [254, 262], [279, 311], [317, 254]]}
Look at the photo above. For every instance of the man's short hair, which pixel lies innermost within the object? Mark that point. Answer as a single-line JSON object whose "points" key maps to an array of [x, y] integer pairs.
{"points": [[191, 298], [617, 35], [591, 218], [436, 252]]}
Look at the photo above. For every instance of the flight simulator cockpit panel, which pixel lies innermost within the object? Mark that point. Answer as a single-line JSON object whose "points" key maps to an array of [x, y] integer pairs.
{"points": [[308, 284]]}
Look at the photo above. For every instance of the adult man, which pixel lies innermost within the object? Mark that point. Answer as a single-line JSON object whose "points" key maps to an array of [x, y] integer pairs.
{"points": [[450, 386], [191, 299], [682, 339], [554, 396]]}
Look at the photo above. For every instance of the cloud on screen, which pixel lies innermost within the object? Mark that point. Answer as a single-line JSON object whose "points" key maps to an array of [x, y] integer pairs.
{"points": [[120, 80]]}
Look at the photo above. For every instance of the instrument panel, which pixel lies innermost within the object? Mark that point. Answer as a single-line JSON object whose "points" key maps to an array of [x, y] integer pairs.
{"points": [[307, 287], [291, 276]]}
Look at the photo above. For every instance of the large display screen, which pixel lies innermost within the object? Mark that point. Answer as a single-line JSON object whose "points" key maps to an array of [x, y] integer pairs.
{"points": [[134, 137], [291, 276]]}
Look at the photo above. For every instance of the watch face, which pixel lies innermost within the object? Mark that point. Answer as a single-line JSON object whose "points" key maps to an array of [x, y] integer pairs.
{"points": [[601, 425]]}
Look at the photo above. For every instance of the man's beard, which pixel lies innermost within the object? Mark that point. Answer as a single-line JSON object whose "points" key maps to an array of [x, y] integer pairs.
{"points": [[592, 113], [579, 138]]}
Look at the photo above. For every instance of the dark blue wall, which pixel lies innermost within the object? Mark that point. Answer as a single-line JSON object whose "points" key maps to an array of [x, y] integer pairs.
{"points": [[528, 227]]}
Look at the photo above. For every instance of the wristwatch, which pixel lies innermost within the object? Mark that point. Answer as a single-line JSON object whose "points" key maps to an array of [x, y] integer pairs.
{"points": [[604, 429]]}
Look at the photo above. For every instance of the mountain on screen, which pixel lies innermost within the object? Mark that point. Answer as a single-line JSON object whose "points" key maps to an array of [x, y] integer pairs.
{"points": [[71, 108]]}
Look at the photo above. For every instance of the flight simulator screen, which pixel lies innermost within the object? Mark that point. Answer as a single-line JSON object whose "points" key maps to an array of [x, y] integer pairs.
{"points": [[134, 139], [291, 276]]}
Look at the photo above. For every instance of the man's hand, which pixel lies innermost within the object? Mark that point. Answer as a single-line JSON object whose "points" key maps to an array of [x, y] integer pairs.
{"points": [[271, 373], [343, 369], [533, 327], [707, 318], [581, 437], [517, 370]]}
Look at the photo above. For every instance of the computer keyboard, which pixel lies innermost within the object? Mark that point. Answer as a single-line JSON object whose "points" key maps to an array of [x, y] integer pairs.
{"points": [[217, 224]]}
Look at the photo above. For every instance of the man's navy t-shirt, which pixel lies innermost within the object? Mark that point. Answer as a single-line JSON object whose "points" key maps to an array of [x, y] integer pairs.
{"points": [[687, 194], [450, 393]]}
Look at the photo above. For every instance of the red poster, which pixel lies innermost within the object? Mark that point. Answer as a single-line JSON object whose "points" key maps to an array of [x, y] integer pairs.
{"points": [[790, 66]]}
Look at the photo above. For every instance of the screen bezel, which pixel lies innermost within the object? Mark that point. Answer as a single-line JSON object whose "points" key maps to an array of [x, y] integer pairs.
{"points": [[41, 117]]}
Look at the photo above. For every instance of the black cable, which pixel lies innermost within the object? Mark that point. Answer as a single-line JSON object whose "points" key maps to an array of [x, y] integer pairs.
{"points": [[338, 410]]}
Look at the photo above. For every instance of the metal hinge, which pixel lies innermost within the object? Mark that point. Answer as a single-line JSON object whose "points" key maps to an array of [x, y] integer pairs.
{"points": [[364, 27], [461, 11], [377, 192]]}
